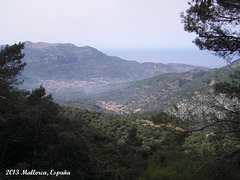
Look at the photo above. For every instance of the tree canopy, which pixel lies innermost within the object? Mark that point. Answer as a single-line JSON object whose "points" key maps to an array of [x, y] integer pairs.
{"points": [[11, 66], [216, 24], [11, 63]]}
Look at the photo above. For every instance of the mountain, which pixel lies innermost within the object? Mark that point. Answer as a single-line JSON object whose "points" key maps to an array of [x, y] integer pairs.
{"points": [[70, 72], [204, 103], [162, 90]]}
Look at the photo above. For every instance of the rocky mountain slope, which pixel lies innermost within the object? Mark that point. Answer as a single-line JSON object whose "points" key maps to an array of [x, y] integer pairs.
{"points": [[70, 72], [194, 86], [204, 103]]}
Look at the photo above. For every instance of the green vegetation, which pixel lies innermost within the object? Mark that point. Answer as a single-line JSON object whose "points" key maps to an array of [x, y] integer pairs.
{"points": [[215, 23], [160, 91], [38, 134]]}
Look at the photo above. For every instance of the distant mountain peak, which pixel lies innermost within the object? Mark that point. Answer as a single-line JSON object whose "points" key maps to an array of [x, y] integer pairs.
{"points": [[39, 45], [61, 46]]}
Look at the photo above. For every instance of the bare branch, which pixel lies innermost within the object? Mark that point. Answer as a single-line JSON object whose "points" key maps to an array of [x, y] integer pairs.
{"points": [[202, 128], [227, 154], [217, 122]]}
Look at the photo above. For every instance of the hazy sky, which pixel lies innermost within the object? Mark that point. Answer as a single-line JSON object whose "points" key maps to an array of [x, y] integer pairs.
{"points": [[108, 25]]}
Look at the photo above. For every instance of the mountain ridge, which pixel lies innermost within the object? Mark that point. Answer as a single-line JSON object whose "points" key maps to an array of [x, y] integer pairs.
{"points": [[66, 69], [162, 90]]}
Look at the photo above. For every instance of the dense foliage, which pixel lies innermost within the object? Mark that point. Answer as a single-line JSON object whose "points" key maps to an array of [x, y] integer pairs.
{"points": [[216, 24], [38, 134]]}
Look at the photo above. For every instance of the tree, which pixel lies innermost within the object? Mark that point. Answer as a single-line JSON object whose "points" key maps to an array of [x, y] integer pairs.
{"points": [[10, 63], [216, 24], [35, 133], [231, 124], [11, 66]]}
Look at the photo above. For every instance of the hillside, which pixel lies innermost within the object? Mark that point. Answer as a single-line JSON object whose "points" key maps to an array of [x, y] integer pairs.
{"points": [[204, 102], [159, 91], [41, 138], [70, 72]]}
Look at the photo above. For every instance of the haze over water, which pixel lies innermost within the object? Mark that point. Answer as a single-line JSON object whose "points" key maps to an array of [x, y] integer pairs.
{"points": [[185, 56]]}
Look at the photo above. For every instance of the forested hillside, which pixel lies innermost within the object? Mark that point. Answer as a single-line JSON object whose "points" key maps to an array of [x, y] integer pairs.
{"points": [[160, 91], [41, 139], [174, 126]]}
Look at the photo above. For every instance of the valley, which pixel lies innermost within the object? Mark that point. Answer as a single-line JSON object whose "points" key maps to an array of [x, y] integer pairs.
{"points": [[93, 96], [84, 75], [65, 69], [109, 122], [161, 91]]}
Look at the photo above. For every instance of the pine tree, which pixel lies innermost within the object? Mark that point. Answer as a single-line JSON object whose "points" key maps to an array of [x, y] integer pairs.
{"points": [[216, 24], [11, 66]]}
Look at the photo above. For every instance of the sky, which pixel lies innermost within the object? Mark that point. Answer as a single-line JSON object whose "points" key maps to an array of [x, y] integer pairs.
{"points": [[142, 30]]}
